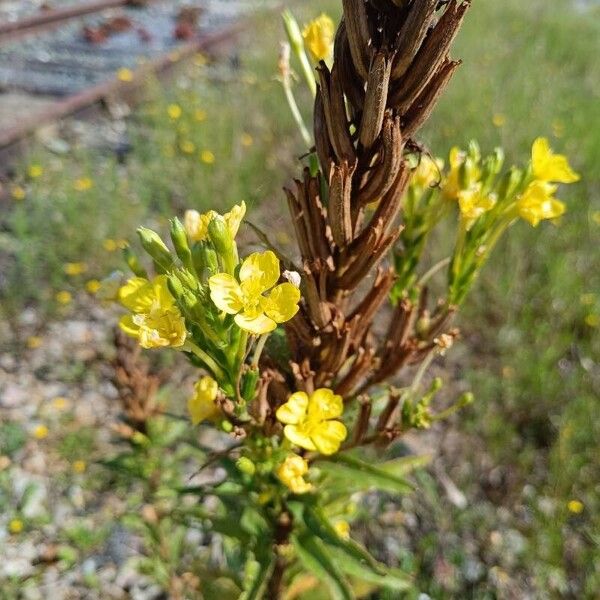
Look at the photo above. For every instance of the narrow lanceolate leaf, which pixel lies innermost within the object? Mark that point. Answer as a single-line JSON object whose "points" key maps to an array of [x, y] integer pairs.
{"points": [[257, 576], [361, 475], [405, 465], [318, 523], [393, 579], [315, 557]]}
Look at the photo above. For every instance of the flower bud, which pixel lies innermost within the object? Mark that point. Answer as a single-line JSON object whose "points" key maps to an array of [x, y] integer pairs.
{"points": [[180, 243], [292, 30], [221, 238], [246, 466], [205, 260], [133, 263], [156, 248]]}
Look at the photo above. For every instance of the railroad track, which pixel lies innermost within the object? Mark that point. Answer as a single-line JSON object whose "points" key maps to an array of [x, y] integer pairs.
{"points": [[56, 62]]}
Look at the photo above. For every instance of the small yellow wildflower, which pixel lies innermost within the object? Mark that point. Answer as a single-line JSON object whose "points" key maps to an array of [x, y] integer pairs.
{"points": [[79, 466], [124, 74], [247, 140], [343, 529], [187, 147], [596, 217], [15, 526], [74, 268], [473, 203], [499, 120], [538, 203], [257, 303], [428, 172], [587, 299], [311, 421], [196, 224], [60, 403], [550, 167], [83, 184], [207, 157], [40, 432], [174, 111], [63, 297], [592, 320], [17, 192], [155, 319], [291, 473], [34, 342], [201, 405], [575, 506], [34, 171], [464, 173], [318, 36], [110, 245], [92, 286], [200, 115]]}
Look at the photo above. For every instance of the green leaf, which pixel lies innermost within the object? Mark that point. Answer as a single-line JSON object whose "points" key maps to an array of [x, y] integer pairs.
{"points": [[361, 475], [393, 579], [253, 523], [405, 465], [319, 524], [257, 573], [315, 557]]}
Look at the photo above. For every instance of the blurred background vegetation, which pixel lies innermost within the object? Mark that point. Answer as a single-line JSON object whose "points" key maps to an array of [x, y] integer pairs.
{"points": [[525, 457]]}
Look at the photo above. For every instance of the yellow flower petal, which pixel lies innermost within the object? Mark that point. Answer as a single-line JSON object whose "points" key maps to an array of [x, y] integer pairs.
{"points": [[294, 410], [318, 36], [262, 267], [298, 436], [548, 166], [128, 326], [282, 303], [226, 293], [235, 217], [328, 436], [137, 295], [537, 203], [291, 472], [201, 405], [255, 324], [324, 404]]}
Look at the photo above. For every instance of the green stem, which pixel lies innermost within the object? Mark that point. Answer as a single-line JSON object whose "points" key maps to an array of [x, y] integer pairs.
{"points": [[206, 359], [259, 348], [291, 100]]}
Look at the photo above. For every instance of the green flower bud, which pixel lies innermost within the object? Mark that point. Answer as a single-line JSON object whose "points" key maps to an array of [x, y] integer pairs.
{"points": [[220, 236], [205, 260], [249, 381], [156, 248], [246, 466], [180, 243], [133, 263], [292, 30], [509, 183]]}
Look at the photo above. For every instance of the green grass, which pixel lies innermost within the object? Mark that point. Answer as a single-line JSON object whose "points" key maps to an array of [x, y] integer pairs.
{"points": [[531, 345]]}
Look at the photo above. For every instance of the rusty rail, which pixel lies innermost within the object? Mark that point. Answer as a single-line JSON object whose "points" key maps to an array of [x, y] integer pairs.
{"points": [[90, 96], [54, 17]]}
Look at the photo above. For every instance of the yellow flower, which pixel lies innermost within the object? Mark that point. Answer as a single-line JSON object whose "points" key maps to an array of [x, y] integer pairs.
{"points": [[15, 526], [187, 147], [537, 203], [499, 120], [257, 303], [596, 217], [110, 245], [79, 466], [201, 405], [40, 432], [207, 157], [196, 224], [125, 75], [200, 115], [318, 36], [35, 171], [427, 172], [550, 167], [246, 139], [291, 473], [200, 59], [63, 297], [34, 342], [155, 320], [343, 529], [174, 111], [83, 184], [74, 268], [575, 506], [473, 203], [92, 286], [592, 320], [310, 421], [60, 403], [463, 173], [17, 192]]}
